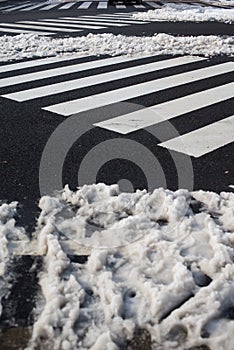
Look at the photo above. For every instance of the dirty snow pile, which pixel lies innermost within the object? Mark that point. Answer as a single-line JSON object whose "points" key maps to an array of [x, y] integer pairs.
{"points": [[31, 45], [8, 232], [181, 12], [218, 2], [160, 265]]}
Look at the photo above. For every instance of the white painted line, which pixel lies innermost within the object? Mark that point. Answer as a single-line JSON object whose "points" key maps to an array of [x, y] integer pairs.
{"points": [[67, 6], [5, 7], [69, 24], [153, 4], [50, 23], [91, 22], [96, 79], [139, 6], [30, 8], [113, 15], [53, 72], [120, 6], [102, 5], [36, 63], [27, 26], [16, 8], [85, 5], [167, 110], [124, 14], [49, 7], [126, 93], [10, 30], [128, 21], [204, 140]]}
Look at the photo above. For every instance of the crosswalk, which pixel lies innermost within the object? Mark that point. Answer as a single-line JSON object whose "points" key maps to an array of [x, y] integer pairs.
{"points": [[76, 5], [74, 86], [65, 25], [28, 6]]}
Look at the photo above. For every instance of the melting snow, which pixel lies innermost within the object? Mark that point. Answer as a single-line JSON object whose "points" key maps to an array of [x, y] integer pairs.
{"points": [[160, 262]]}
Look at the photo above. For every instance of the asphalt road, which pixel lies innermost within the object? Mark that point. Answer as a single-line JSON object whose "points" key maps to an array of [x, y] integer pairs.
{"points": [[135, 159]]}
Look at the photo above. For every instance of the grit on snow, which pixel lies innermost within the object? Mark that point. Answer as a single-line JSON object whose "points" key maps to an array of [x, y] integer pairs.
{"points": [[161, 264], [32, 46], [192, 13]]}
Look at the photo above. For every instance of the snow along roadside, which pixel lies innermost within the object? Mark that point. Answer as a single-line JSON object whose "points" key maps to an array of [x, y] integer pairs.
{"points": [[31, 46], [184, 13]]}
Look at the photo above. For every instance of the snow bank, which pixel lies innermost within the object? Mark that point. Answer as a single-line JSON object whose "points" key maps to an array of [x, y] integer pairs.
{"points": [[192, 13], [30, 45], [8, 232], [164, 269]]}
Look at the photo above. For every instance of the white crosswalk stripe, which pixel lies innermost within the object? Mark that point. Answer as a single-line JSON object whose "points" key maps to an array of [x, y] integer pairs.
{"points": [[30, 8], [120, 20], [67, 24], [213, 136], [98, 79], [76, 5], [102, 4], [52, 23], [85, 5], [99, 19], [22, 25], [67, 6], [14, 8], [49, 7], [86, 24], [110, 97], [191, 70]]}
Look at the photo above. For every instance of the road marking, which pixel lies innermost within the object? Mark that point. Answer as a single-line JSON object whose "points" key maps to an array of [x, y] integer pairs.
{"points": [[102, 5], [49, 7], [85, 5], [204, 140], [113, 20], [16, 8], [54, 23], [97, 79], [37, 62], [67, 6], [90, 22], [114, 15], [120, 6], [139, 6], [21, 30], [153, 4], [32, 7], [167, 110], [27, 26], [129, 92], [79, 67], [9, 30]]}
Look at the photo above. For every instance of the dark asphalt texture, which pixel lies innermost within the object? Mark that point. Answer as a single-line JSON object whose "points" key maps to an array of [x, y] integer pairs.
{"points": [[25, 127]]}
